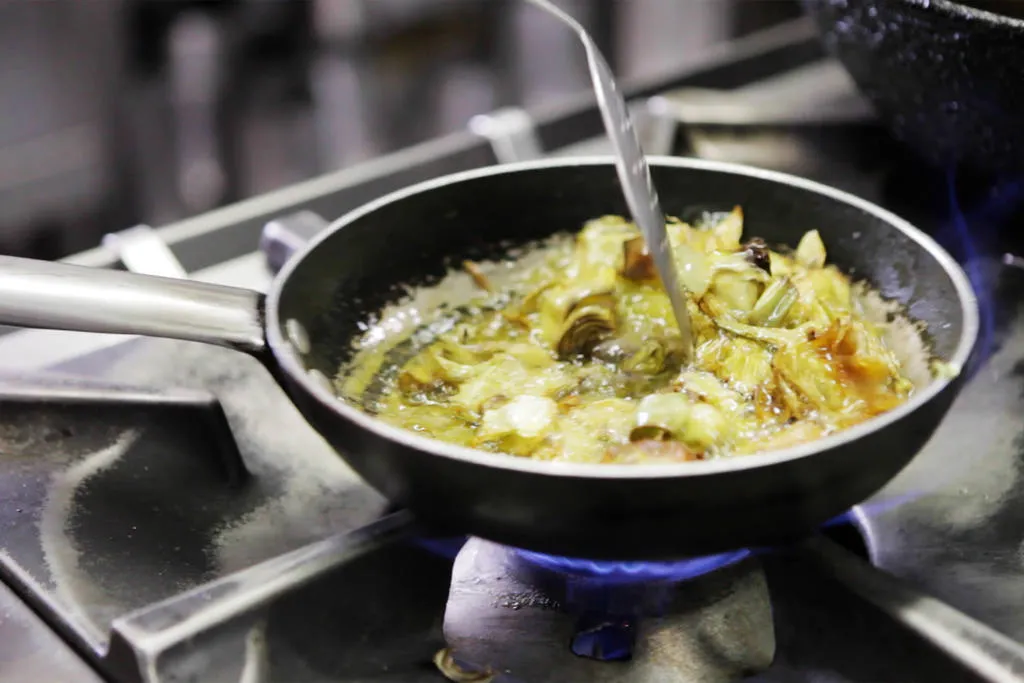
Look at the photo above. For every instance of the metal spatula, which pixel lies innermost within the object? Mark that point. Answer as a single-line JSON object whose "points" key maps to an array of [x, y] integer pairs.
{"points": [[634, 175]]}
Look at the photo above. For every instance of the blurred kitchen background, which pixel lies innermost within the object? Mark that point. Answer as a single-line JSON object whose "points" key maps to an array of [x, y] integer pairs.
{"points": [[120, 112]]}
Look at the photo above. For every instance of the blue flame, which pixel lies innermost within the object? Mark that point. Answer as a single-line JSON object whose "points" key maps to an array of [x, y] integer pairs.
{"points": [[634, 572], [447, 548], [629, 572], [1003, 199], [847, 517]]}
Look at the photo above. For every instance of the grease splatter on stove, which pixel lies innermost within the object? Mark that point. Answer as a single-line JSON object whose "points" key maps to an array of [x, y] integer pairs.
{"points": [[60, 552], [310, 492]]}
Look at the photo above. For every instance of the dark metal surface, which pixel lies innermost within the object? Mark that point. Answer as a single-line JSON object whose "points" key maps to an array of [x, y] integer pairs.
{"points": [[943, 75]]}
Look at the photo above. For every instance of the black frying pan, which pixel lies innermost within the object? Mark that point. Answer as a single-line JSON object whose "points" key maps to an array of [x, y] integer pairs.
{"points": [[598, 511], [946, 77]]}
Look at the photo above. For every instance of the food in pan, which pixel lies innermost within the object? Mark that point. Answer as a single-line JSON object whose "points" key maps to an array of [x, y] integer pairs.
{"points": [[572, 354]]}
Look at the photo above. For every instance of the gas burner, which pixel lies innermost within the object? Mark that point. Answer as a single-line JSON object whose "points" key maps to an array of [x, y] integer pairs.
{"points": [[541, 618]]}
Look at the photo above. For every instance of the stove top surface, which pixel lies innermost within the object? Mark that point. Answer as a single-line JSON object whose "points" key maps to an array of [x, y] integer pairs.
{"points": [[133, 529]]}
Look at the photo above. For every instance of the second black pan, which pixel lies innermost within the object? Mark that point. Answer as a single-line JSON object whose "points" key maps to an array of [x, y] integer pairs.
{"points": [[945, 76], [624, 512]]}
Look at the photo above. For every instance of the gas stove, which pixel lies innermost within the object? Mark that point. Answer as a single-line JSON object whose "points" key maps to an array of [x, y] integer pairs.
{"points": [[168, 516]]}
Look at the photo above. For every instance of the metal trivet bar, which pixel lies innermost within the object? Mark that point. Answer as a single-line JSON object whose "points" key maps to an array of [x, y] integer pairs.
{"points": [[215, 630], [982, 650], [42, 390], [60, 431]]}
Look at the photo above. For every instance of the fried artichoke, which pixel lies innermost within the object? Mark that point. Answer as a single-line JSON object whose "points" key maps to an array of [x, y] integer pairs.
{"points": [[577, 357]]}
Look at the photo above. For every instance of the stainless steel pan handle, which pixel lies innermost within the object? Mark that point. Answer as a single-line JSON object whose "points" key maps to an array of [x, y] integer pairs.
{"points": [[59, 296]]}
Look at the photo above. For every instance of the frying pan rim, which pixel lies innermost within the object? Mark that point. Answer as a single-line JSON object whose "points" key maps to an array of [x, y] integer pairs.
{"points": [[962, 11], [289, 360]]}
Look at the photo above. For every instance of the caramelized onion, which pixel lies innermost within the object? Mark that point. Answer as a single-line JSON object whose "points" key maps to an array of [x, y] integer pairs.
{"points": [[637, 262]]}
